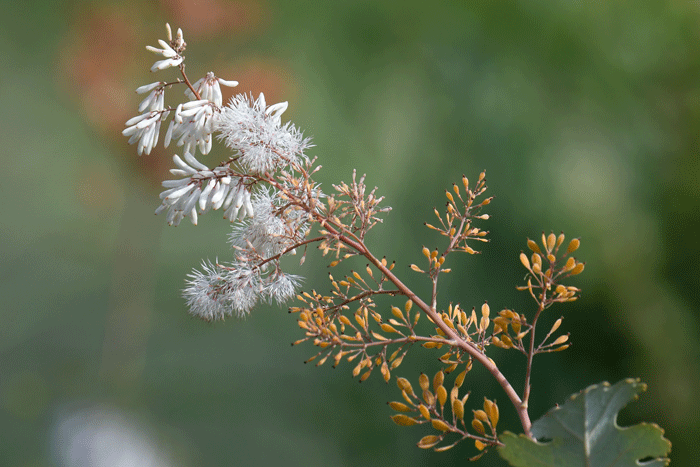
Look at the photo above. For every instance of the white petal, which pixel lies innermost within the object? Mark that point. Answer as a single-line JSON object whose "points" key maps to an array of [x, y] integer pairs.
{"points": [[179, 162], [205, 194], [148, 87], [169, 133], [194, 162], [136, 119], [175, 183], [192, 214], [180, 172], [189, 105], [230, 84]]}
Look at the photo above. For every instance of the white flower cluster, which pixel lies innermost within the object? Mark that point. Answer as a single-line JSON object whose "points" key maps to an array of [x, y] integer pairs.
{"points": [[263, 148], [192, 123], [203, 188]]}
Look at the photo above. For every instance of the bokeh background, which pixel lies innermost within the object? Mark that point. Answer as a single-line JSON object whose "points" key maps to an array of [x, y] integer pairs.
{"points": [[585, 115]]}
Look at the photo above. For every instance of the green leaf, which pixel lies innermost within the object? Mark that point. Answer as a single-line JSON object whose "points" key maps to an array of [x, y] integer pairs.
{"points": [[583, 432]]}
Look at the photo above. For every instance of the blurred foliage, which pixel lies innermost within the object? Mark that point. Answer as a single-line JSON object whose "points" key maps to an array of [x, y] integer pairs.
{"points": [[585, 116]]}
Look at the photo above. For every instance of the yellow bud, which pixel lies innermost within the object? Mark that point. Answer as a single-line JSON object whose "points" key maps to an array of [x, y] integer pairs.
{"points": [[465, 182], [479, 445], [440, 425], [424, 411], [388, 328], [524, 260], [449, 196], [399, 406], [537, 259], [555, 326], [429, 441], [551, 240], [573, 245], [533, 246], [507, 342], [485, 310], [480, 415], [460, 379], [404, 385], [570, 264], [403, 420], [396, 312], [424, 383], [441, 393], [429, 398], [476, 424], [438, 380], [560, 239], [426, 252], [458, 409], [491, 410], [578, 269], [561, 340]]}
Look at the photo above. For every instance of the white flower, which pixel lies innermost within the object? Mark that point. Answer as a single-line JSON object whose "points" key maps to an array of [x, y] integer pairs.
{"points": [[145, 128], [256, 132], [209, 88], [204, 189], [172, 52], [192, 126]]}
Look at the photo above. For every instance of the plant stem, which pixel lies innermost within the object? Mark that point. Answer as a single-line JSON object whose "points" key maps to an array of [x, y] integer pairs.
{"points": [[474, 352]]}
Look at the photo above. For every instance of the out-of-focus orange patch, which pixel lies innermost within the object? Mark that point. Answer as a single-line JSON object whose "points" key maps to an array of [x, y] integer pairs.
{"points": [[93, 62], [208, 18], [257, 75]]}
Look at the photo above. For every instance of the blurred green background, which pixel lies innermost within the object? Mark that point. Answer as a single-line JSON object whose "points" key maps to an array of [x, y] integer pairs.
{"points": [[585, 116]]}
